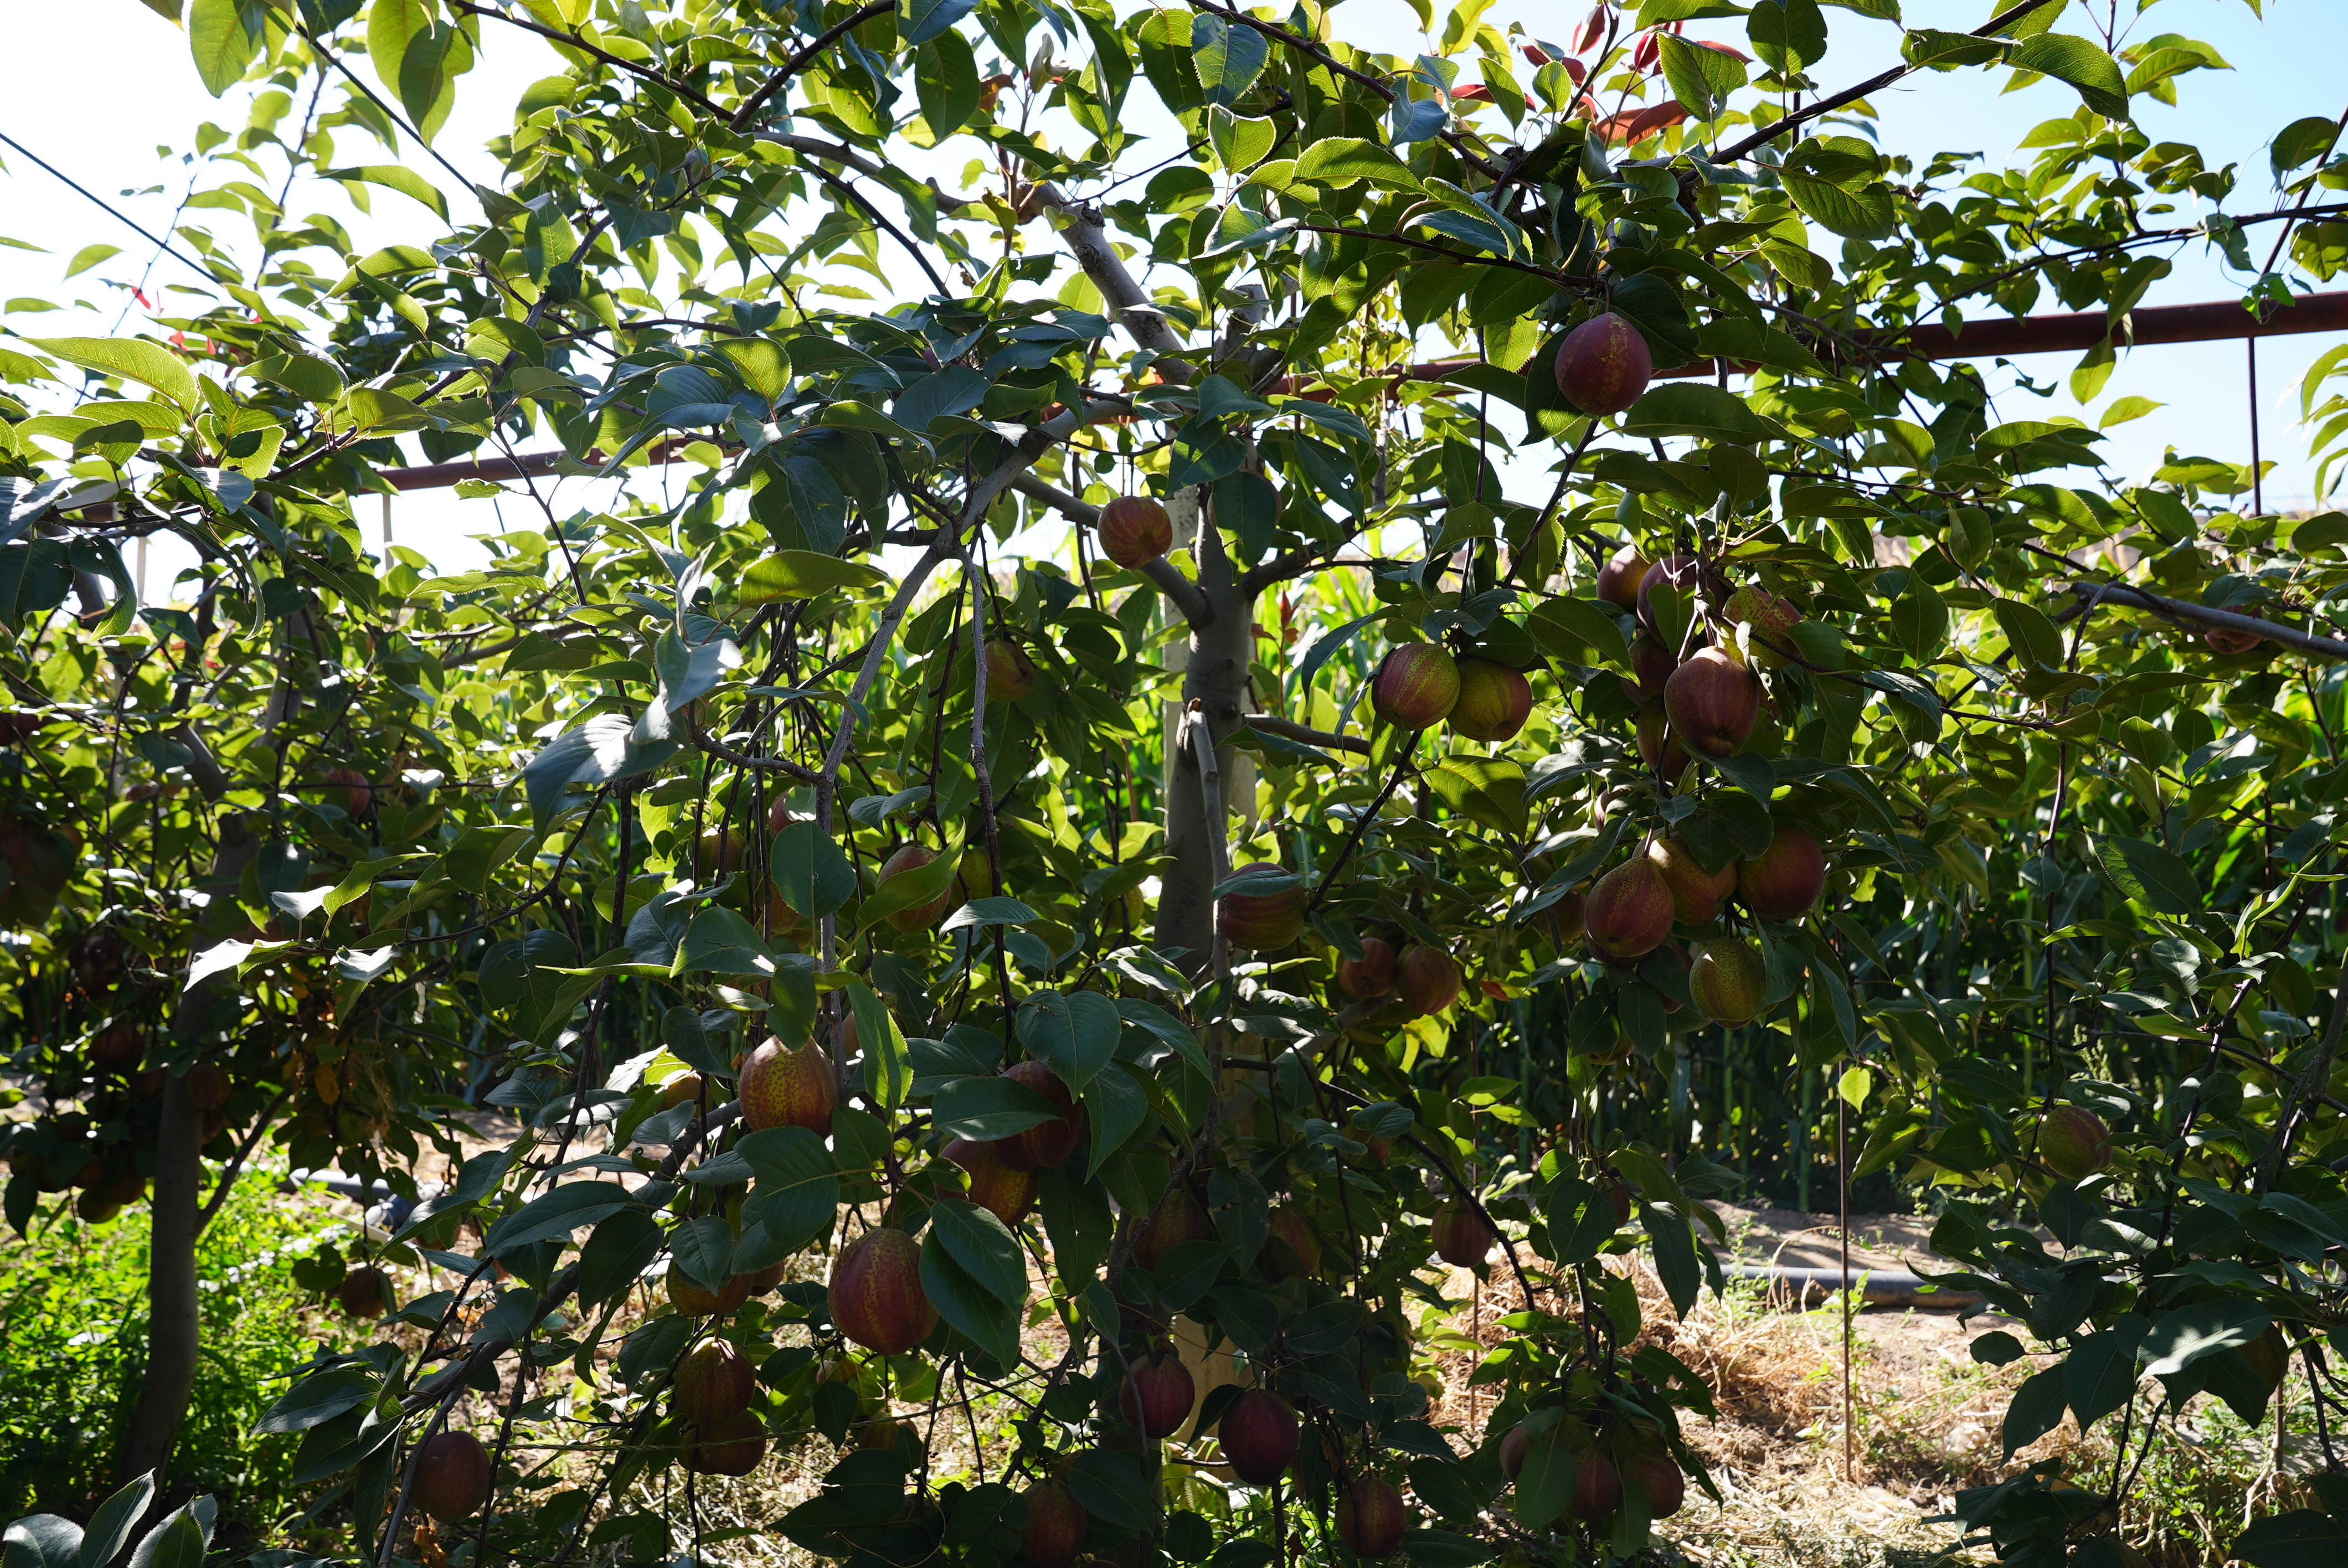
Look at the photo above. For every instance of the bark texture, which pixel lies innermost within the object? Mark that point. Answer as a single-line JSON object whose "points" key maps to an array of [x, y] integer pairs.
{"points": [[172, 1326], [1216, 678]]}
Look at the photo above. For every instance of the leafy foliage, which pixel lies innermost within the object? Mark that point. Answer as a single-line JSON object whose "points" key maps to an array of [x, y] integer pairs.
{"points": [[341, 841]]}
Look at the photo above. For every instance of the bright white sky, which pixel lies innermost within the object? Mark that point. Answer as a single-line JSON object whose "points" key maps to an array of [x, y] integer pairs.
{"points": [[132, 137]]}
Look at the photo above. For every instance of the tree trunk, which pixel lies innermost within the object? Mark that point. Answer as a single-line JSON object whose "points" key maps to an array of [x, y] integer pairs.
{"points": [[1216, 677], [171, 1325]]}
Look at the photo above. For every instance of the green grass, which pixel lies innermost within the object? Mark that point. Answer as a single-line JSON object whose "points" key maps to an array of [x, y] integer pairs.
{"points": [[73, 1333]]}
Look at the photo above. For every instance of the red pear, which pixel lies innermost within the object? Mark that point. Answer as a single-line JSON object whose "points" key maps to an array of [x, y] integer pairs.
{"points": [[364, 1293], [1629, 912], [1157, 1393], [1010, 674], [1566, 919], [995, 1186], [783, 1088], [1372, 973], [1416, 685], [1513, 1449], [735, 1446], [1604, 365], [1618, 579], [1259, 1435], [1495, 701], [1659, 747], [1056, 1523], [2074, 1143], [453, 1477], [696, 1300], [1290, 1248], [1262, 921], [2269, 1356], [1597, 1486], [356, 790], [920, 917], [1461, 1236], [1784, 881], [876, 1293], [1661, 1480], [1047, 1144], [1370, 1517], [1728, 980], [1713, 703], [1652, 664], [1683, 574], [712, 1384], [1134, 531], [207, 1086], [1429, 978], [116, 1049], [1179, 1217], [1771, 644], [1696, 894], [2230, 642]]}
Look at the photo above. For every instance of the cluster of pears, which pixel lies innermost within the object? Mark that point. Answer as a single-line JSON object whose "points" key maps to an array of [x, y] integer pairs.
{"points": [[1705, 704]]}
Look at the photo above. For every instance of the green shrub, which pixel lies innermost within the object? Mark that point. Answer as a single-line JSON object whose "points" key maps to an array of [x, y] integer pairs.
{"points": [[73, 1337]]}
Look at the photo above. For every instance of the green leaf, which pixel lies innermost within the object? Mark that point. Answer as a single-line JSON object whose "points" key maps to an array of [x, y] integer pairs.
{"points": [[991, 1323], [557, 1213], [1227, 58], [1580, 1219], [1115, 1107], [1920, 621], [796, 1195], [987, 1251], [312, 379], [1545, 1484], [319, 1398], [1074, 1035], [985, 1108], [2296, 1538], [803, 574], [1786, 35], [2179, 1339], [89, 256], [219, 39], [704, 1249], [395, 177], [2033, 637], [616, 1254], [2036, 1410], [134, 359], [1694, 408], [1569, 627], [1867, 214], [989, 912], [111, 1526], [912, 889], [2087, 67], [1699, 77], [2151, 876], [888, 1061], [1342, 160], [2101, 1371], [810, 871]]}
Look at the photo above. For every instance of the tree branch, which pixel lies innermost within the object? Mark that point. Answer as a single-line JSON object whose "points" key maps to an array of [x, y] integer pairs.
{"points": [[1271, 724], [1089, 242], [1844, 99], [791, 68], [828, 784], [573, 41]]}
